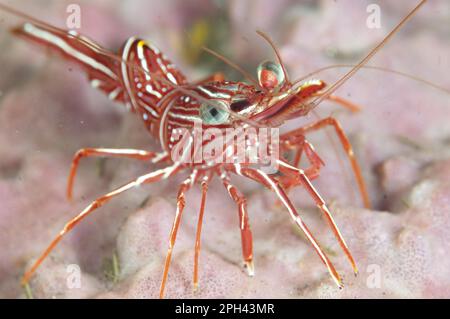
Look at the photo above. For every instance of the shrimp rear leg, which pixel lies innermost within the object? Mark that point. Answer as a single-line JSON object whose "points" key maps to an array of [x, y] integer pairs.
{"points": [[330, 121], [271, 183], [244, 225], [300, 174], [205, 185], [181, 203], [300, 145]]}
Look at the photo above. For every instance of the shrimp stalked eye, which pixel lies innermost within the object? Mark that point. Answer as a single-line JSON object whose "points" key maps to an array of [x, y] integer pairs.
{"points": [[214, 114], [270, 75]]}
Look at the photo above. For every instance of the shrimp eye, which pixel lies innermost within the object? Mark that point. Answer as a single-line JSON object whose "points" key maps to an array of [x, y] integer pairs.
{"points": [[270, 75], [214, 114]]}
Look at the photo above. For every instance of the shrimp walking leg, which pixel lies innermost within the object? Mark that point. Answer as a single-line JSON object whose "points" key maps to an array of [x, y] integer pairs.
{"points": [[106, 152], [330, 121], [144, 179], [244, 225]]}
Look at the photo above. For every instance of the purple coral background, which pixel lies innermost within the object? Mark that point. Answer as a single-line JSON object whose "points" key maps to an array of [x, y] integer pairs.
{"points": [[401, 138]]}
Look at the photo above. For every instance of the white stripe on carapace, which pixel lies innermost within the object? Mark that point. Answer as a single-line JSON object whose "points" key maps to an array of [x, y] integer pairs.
{"points": [[153, 48], [150, 90], [179, 124], [141, 56], [185, 117], [96, 83], [185, 109], [151, 110], [113, 95], [171, 78], [64, 46], [214, 94], [164, 119], [125, 54], [126, 51], [166, 72], [238, 169]]}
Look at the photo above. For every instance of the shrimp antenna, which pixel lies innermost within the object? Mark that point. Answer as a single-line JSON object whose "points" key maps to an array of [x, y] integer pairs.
{"points": [[277, 52], [367, 58], [224, 59], [374, 68]]}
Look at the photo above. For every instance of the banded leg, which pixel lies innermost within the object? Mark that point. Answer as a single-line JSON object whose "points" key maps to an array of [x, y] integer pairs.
{"points": [[299, 143], [295, 144], [105, 152], [264, 179], [181, 202], [305, 181], [144, 179], [205, 183], [244, 225], [316, 162], [330, 121]]}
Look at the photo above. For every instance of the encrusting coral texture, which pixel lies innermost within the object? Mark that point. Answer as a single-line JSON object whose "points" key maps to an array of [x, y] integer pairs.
{"points": [[401, 137]]}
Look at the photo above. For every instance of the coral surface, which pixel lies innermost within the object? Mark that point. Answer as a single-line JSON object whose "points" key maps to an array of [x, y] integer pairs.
{"points": [[401, 137]]}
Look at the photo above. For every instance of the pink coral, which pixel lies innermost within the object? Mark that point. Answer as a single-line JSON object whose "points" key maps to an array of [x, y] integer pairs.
{"points": [[48, 111]]}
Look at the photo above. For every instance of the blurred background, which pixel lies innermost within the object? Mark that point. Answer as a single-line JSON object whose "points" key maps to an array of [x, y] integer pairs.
{"points": [[48, 111]]}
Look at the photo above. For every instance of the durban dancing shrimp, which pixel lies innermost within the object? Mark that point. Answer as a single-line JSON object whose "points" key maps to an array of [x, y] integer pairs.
{"points": [[150, 85]]}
